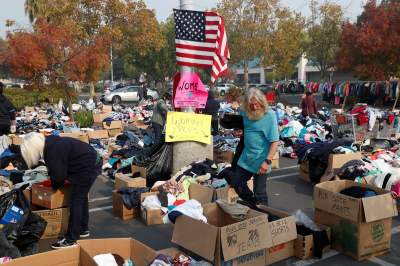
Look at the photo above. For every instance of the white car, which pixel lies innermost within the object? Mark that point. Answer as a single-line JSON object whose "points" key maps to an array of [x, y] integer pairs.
{"points": [[223, 88], [125, 94]]}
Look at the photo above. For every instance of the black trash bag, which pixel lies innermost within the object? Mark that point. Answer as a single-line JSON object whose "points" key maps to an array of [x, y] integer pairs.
{"points": [[161, 168], [30, 234], [15, 197], [7, 249]]}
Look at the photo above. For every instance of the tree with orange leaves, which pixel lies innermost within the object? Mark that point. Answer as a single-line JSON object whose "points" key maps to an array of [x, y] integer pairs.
{"points": [[371, 46]]}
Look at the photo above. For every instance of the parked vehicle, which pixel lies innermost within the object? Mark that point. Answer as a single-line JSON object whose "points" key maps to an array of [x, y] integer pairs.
{"points": [[223, 88], [151, 94], [125, 94]]}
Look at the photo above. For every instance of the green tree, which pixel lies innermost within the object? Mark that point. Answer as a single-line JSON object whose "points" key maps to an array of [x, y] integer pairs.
{"points": [[249, 25], [286, 44], [324, 33], [3, 51]]}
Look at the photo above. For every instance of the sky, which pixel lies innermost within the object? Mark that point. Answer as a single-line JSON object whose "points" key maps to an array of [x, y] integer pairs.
{"points": [[14, 9]]}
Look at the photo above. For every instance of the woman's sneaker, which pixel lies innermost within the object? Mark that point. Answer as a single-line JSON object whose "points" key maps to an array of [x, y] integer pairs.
{"points": [[84, 234], [62, 243]]}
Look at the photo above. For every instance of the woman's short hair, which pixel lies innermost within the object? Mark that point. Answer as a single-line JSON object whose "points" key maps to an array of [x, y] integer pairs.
{"points": [[32, 148], [254, 93]]}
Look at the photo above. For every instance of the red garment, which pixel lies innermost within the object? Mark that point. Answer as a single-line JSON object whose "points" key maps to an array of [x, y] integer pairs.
{"points": [[362, 119], [179, 202], [47, 183], [390, 119], [270, 96], [396, 189], [358, 110]]}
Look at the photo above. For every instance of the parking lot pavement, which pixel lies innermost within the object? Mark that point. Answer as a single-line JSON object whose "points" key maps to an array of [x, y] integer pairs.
{"points": [[286, 192]]}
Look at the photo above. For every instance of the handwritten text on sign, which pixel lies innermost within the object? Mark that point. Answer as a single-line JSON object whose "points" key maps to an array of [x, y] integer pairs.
{"points": [[190, 92], [188, 127]]}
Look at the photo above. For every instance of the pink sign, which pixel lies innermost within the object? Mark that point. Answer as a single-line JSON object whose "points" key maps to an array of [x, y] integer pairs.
{"points": [[190, 92]]}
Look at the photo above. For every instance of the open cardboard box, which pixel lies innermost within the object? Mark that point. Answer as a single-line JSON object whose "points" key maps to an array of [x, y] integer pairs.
{"points": [[123, 180], [99, 117], [98, 134], [150, 217], [113, 125], [77, 135], [224, 238], [304, 245], [120, 210], [361, 228], [127, 248]]}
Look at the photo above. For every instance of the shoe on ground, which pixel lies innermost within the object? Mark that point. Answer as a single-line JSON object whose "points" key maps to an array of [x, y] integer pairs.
{"points": [[62, 243], [84, 234]]}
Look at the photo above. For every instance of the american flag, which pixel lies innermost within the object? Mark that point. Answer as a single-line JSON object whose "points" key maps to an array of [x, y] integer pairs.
{"points": [[201, 41]]}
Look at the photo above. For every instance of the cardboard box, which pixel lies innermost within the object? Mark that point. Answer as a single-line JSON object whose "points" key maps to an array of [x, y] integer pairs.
{"points": [[127, 248], [98, 134], [283, 235], [141, 170], [29, 109], [107, 108], [304, 245], [336, 161], [229, 194], [113, 125], [122, 180], [81, 136], [150, 217], [120, 210], [223, 237], [99, 117], [223, 156], [49, 198], [114, 132], [83, 253], [304, 171], [57, 222], [361, 228], [65, 257]]}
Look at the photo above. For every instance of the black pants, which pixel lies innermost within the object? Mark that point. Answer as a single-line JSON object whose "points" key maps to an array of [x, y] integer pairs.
{"points": [[79, 211], [238, 178]]}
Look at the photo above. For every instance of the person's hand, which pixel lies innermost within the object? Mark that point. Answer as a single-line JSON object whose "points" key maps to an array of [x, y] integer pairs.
{"points": [[13, 129], [264, 168]]}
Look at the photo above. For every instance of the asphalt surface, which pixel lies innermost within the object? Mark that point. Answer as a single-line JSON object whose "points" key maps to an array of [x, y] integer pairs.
{"points": [[286, 192]]}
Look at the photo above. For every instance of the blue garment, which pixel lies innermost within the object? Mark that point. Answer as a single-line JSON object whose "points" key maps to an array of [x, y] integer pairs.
{"points": [[6, 153], [258, 136]]}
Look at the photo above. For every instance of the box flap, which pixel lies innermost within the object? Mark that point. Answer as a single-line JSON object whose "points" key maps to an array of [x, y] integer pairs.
{"points": [[201, 193], [188, 230], [117, 124], [141, 254], [282, 230], [379, 207], [245, 237], [327, 199], [98, 134], [63, 257]]}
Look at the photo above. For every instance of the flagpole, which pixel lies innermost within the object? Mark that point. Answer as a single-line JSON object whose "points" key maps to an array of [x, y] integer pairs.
{"points": [[185, 153], [187, 5]]}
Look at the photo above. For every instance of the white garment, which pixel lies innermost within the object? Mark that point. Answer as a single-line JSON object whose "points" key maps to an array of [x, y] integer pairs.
{"points": [[386, 169], [151, 203], [105, 260], [297, 126], [372, 119], [4, 143], [191, 208]]}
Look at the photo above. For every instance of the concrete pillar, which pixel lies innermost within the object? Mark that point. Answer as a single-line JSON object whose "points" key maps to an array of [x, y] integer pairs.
{"points": [[301, 70]]}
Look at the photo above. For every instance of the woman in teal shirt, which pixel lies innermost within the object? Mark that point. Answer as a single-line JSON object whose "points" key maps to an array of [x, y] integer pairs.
{"points": [[261, 139]]}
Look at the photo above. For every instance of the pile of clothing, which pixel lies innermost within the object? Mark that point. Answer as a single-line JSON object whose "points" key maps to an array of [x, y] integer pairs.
{"points": [[317, 155], [226, 142]]}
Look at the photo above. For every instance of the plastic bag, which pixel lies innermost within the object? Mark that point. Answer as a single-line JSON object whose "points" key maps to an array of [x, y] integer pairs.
{"points": [[302, 218], [30, 234], [161, 169]]}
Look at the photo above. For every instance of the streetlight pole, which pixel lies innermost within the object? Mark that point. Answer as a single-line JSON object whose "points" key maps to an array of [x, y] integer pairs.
{"points": [[185, 153]]}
